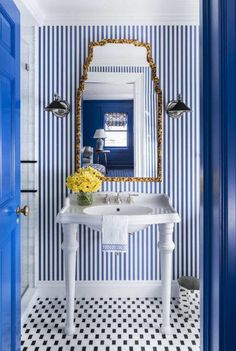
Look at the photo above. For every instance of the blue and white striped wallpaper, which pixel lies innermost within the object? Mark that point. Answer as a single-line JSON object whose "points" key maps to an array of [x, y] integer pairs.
{"points": [[62, 51]]}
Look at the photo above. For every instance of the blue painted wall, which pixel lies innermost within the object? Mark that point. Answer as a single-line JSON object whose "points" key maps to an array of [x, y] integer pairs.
{"points": [[93, 118], [62, 51], [218, 165]]}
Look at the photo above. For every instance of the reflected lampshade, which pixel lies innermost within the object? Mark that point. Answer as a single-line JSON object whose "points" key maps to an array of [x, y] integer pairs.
{"points": [[100, 134]]}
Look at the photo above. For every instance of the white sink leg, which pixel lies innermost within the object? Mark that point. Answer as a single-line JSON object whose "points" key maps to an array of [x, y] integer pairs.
{"points": [[166, 247], [70, 246]]}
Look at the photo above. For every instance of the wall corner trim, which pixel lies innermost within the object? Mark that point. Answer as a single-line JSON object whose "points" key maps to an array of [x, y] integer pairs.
{"points": [[27, 301]]}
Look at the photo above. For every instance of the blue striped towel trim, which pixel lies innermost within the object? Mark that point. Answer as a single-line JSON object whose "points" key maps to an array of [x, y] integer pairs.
{"points": [[114, 247]]}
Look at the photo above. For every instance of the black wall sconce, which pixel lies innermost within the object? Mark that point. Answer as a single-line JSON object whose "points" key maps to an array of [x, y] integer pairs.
{"points": [[176, 108], [59, 107]]}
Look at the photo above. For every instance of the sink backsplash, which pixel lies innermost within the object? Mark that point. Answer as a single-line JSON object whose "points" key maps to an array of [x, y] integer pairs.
{"points": [[61, 67]]}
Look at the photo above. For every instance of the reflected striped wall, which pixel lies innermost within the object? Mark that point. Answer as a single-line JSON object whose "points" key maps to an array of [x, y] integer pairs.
{"points": [[62, 51]]}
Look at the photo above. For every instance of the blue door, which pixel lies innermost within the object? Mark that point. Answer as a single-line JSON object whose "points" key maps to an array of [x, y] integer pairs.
{"points": [[218, 162], [9, 177]]}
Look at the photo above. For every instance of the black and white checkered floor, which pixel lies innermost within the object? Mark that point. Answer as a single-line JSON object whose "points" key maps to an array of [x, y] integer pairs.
{"points": [[131, 324]]}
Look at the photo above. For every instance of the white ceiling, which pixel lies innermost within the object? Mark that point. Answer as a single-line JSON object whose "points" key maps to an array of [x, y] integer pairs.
{"points": [[113, 11], [108, 91]]}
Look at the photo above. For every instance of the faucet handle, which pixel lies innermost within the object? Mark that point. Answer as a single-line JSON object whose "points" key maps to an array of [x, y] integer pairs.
{"points": [[107, 199], [118, 198], [130, 198]]}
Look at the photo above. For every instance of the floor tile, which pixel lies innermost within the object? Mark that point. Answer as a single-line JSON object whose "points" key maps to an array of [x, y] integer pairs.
{"points": [[109, 325]]}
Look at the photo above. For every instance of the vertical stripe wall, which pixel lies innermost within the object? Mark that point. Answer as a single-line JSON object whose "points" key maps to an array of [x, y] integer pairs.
{"points": [[62, 52]]}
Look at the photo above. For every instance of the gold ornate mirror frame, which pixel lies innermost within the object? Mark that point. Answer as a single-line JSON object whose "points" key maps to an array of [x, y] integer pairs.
{"points": [[157, 89]]}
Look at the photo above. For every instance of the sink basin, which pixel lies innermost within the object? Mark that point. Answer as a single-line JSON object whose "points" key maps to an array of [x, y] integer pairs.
{"points": [[118, 209], [121, 209], [145, 210]]}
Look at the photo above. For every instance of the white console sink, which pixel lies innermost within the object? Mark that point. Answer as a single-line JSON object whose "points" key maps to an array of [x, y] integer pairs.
{"points": [[146, 209]]}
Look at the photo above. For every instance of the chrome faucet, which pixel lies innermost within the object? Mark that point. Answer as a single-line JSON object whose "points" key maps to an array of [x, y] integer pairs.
{"points": [[130, 198], [118, 199], [107, 199]]}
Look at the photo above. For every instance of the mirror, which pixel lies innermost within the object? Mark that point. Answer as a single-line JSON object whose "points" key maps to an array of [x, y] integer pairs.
{"points": [[119, 112]]}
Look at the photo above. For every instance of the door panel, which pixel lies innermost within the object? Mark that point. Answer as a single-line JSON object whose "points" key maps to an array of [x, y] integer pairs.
{"points": [[5, 257], [6, 31], [6, 121], [9, 177]]}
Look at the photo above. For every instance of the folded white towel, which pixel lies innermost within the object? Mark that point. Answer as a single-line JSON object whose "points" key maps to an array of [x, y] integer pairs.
{"points": [[115, 233]]}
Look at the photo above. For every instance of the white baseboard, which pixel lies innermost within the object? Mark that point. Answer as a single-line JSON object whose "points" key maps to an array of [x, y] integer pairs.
{"points": [[106, 289], [27, 302]]}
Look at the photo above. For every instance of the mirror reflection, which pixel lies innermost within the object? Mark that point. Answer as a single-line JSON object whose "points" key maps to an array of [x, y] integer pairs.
{"points": [[120, 120]]}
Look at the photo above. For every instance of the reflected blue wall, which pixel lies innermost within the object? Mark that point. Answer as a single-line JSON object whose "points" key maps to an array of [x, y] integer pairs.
{"points": [[93, 118]]}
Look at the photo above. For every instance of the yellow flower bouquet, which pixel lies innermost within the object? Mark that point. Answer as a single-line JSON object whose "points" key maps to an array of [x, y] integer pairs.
{"points": [[85, 182]]}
